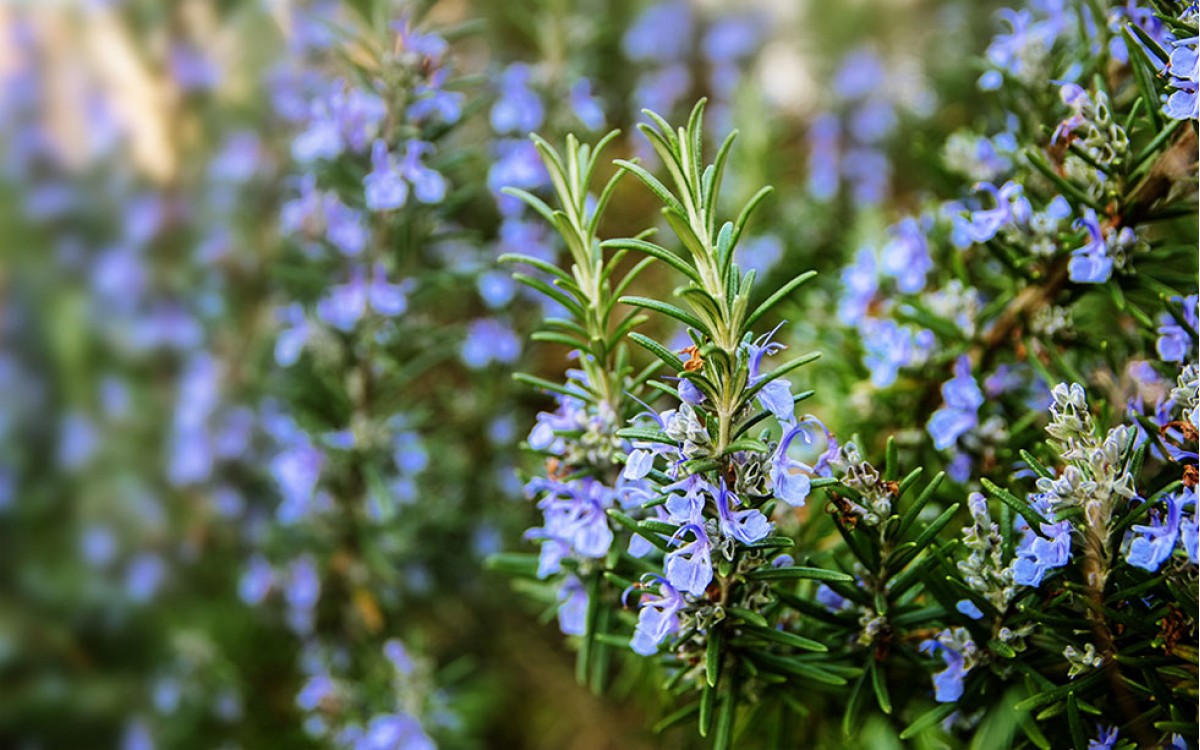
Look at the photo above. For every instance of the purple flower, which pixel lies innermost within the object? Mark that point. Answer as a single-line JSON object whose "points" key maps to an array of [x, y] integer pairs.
{"points": [[518, 109], [658, 617], [746, 526], [256, 581], [906, 256], [292, 339], [1106, 741], [385, 189], [1174, 341], [889, 346], [792, 480], [823, 149], [585, 105], [1039, 553], [948, 684], [730, 39], [144, 576], [960, 412], [344, 227], [1012, 209], [428, 185], [662, 33], [775, 396], [968, 608], [518, 165], [689, 568], [1183, 104], [489, 341], [1091, 263], [394, 732], [433, 100], [1153, 544], [660, 90], [572, 607]]}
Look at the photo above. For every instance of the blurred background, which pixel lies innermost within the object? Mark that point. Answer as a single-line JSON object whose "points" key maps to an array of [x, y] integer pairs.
{"points": [[236, 510]]}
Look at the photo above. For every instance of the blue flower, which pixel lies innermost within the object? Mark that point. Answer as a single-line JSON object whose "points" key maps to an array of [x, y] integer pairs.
{"points": [[775, 396], [394, 732], [823, 148], [746, 526], [889, 346], [663, 33], [1039, 553], [792, 480], [256, 581], [1012, 209], [518, 109], [860, 284], [489, 341], [431, 99], [292, 339], [1153, 544], [1090, 264], [906, 256], [517, 164], [1174, 341], [1106, 741], [428, 185], [572, 607], [385, 189], [585, 105], [969, 608], [730, 39], [658, 617], [960, 412], [1184, 66], [689, 568], [344, 227], [951, 644]]}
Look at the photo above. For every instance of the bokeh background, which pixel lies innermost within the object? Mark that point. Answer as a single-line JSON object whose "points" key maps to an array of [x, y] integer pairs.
{"points": [[227, 522]]}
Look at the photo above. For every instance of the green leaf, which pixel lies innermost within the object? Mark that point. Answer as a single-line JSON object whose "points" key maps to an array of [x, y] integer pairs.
{"points": [[1075, 723], [663, 353], [723, 739], [744, 216], [749, 616], [879, 683], [571, 342], [787, 639], [891, 465], [537, 263], [746, 444], [675, 717], [1053, 695], [712, 656], [910, 515], [855, 706], [534, 202], [1036, 465], [778, 296], [707, 697], [513, 563], [660, 190], [666, 309], [553, 293], [573, 391], [796, 573], [928, 534], [629, 523], [1034, 518], [656, 251], [928, 719]]}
